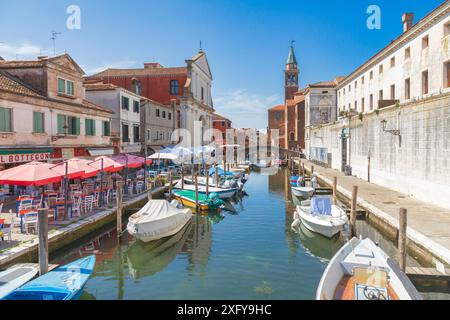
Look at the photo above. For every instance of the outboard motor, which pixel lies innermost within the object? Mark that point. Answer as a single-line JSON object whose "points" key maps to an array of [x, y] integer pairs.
{"points": [[300, 182], [174, 203]]}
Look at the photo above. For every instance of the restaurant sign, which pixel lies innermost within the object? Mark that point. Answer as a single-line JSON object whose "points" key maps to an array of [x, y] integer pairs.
{"points": [[24, 155]]}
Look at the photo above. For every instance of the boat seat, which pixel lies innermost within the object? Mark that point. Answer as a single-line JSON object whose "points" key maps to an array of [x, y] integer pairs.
{"points": [[370, 277]]}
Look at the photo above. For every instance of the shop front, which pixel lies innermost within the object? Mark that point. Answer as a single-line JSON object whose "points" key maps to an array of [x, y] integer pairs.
{"points": [[13, 157]]}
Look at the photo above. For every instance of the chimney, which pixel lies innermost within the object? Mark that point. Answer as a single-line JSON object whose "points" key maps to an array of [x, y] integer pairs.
{"points": [[407, 20], [152, 65]]}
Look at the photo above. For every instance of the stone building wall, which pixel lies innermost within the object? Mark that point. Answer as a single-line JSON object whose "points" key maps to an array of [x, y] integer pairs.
{"points": [[416, 162]]}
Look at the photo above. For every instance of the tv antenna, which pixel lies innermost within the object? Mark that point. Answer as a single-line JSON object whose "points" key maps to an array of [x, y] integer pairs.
{"points": [[53, 38]]}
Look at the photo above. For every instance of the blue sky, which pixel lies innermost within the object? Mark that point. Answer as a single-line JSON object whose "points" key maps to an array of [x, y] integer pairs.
{"points": [[247, 42]]}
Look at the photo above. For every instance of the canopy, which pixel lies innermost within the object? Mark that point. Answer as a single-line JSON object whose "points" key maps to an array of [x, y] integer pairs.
{"points": [[84, 165], [163, 156], [32, 174], [109, 165], [129, 160]]}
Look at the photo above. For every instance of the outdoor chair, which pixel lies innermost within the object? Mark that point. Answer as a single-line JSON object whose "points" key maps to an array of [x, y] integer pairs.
{"points": [[30, 221], [88, 203]]}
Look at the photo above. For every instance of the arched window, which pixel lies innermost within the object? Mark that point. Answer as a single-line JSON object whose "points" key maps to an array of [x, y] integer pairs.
{"points": [[292, 136], [136, 86]]}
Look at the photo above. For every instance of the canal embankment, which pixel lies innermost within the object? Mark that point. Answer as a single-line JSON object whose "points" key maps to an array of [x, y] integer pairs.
{"points": [[27, 251], [428, 225]]}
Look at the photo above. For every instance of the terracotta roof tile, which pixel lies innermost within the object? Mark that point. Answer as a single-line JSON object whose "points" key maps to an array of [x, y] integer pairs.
{"points": [[140, 72], [13, 84], [277, 108], [218, 117], [99, 86]]}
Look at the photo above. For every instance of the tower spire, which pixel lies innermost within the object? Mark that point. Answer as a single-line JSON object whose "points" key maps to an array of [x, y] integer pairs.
{"points": [[291, 74]]}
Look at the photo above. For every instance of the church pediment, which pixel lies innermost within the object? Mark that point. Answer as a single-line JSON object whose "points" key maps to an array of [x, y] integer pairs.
{"points": [[202, 62]]}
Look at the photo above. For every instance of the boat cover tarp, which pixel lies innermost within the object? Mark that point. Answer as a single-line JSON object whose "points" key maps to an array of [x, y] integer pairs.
{"points": [[321, 206], [220, 172], [156, 210]]}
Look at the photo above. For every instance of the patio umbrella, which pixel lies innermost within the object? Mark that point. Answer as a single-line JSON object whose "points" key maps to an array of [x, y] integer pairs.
{"points": [[163, 156], [109, 165], [129, 160], [90, 170], [32, 174]]}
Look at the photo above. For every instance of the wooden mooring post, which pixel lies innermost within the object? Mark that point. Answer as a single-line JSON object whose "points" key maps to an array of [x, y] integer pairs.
{"points": [[170, 185], [207, 181], [312, 170], [353, 210], [334, 190], [216, 173], [196, 192], [43, 241], [119, 198], [182, 177], [402, 226]]}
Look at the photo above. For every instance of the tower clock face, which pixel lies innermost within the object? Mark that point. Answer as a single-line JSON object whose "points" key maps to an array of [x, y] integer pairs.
{"points": [[278, 115]]}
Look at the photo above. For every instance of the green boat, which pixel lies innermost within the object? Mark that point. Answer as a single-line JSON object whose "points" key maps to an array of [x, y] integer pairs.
{"points": [[206, 203]]}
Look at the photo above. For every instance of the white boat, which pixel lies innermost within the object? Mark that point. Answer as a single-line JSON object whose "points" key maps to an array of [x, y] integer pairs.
{"points": [[360, 270], [321, 217], [223, 193], [303, 192], [226, 184], [15, 277], [234, 169], [158, 219]]}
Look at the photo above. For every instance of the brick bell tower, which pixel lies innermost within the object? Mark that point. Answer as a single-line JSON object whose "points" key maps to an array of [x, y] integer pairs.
{"points": [[290, 75]]}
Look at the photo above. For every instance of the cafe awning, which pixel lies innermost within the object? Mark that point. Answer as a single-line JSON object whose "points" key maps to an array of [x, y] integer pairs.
{"points": [[95, 152]]}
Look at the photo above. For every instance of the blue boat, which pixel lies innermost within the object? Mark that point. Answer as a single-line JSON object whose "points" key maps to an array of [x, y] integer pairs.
{"points": [[220, 172], [63, 283]]}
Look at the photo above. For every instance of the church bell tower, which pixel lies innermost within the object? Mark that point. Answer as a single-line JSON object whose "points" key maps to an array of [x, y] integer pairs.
{"points": [[290, 75]]}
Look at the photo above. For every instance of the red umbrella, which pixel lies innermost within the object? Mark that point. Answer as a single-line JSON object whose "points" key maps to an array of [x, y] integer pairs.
{"points": [[129, 160], [32, 174], [90, 169], [110, 164]]}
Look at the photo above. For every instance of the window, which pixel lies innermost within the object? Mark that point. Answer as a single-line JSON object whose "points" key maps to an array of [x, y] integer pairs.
{"points": [[61, 85], [447, 75], [38, 122], [392, 62], [356, 84], [447, 29], [65, 87], [425, 42], [73, 126], [125, 103], [68, 125], [89, 125], [356, 105], [362, 80], [362, 104], [164, 114], [371, 102], [344, 90], [5, 120], [136, 86], [125, 133], [371, 75], [157, 113], [135, 106], [407, 53], [106, 128], [393, 92], [349, 88], [407, 89], [149, 135], [174, 87], [292, 136], [136, 134], [380, 69], [425, 82], [223, 123], [380, 95], [170, 115], [203, 94]]}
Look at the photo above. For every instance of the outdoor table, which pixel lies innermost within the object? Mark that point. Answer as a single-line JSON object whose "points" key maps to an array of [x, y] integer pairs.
{"points": [[61, 204]]}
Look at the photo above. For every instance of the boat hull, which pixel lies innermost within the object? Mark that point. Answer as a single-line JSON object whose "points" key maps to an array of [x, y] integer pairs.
{"points": [[303, 192], [19, 274], [154, 230], [191, 203], [328, 226]]}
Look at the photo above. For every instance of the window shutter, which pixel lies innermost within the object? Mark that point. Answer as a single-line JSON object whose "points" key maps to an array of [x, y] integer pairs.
{"points": [[77, 126], [93, 127], [61, 86], [61, 123]]}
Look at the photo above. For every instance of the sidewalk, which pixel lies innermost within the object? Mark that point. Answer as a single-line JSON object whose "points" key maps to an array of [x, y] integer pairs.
{"points": [[428, 225]]}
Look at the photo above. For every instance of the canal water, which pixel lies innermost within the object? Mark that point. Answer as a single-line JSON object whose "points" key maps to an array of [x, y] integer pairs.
{"points": [[251, 254]]}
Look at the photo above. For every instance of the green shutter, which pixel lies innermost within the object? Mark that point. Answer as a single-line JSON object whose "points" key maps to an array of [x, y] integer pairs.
{"points": [[61, 86], [5, 120], [61, 123], [70, 88], [77, 126], [106, 129], [93, 127], [38, 122]]}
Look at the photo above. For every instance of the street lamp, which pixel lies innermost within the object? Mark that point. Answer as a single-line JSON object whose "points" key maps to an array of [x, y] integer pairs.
{"points": [[391, 131]]}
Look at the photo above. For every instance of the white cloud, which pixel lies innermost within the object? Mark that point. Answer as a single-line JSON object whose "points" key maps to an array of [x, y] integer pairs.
{"points": [[244, 108], [119, 64], [20, 51]]}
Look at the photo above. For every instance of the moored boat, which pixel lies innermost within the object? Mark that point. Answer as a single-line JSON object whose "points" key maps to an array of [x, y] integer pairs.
{"points": [[303, 192], [223, 193], [361, 270], [321, 216], [158, 219], [14, 277], [63, 283], [205, 203]]}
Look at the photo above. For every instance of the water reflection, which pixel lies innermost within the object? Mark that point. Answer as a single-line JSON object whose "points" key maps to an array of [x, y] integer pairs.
{"points": [[146, 259]]}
